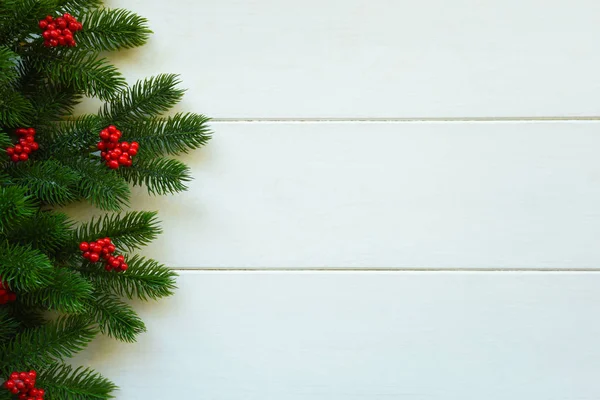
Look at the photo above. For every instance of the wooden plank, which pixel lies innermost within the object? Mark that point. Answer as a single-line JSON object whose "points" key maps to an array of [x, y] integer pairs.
{"points": [[367, 336], [387, 195], [375, 58]]}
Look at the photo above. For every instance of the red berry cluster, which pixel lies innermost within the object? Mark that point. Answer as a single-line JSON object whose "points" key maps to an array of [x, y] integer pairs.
{"points": [[23, 384], [103, 248], [5, 294], [27, 144], [59, 31], [114, 152]]}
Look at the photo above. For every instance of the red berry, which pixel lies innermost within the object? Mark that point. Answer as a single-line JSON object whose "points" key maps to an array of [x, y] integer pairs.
{"points": [[29, 139], [51, 26], [108, 267], [43, 24], [112, 129], [114, 137], [61, 23], [101, 146], [26, 149], [114, 263], [123, 160], [124, 267], [54, 34], [15, 157], [10, 151], [111, 145], [84, 246], [31, 131], [53, 42], [23, 157], [132, 151], [34, 146], [113, 164], [94, 257], [87, 254], [135, 145], [18, 148], [73, 26], [46, 35], [111, 248], [61, 40], [104, 134]]}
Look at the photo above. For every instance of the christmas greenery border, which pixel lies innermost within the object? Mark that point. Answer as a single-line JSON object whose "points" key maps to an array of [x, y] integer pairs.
{"points": [[52, 58]]}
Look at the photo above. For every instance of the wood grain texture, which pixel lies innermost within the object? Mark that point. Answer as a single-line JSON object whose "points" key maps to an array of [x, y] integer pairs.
{"points": [[375, 58], [367, 336], [387, 195]]}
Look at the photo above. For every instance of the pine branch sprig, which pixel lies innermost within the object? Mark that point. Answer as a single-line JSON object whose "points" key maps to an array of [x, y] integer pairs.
{"points": [[145, 99], [112, 29], [115, 318], [55, 341], [84, 71], [68, 293], [145, 279], [15, 205], [15, 109], [25, 269], [48, 181], [45, 231], [63, 382], [159, 175], [173, 135], [128, 231], [8, 325]]}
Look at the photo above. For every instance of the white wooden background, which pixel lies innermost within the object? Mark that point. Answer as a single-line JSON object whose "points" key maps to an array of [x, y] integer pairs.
{"points": [[401, 201]]}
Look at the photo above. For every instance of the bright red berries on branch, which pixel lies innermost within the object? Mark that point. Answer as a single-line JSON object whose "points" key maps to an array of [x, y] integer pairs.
{"points": [[6, 295], [103, 248], [27, 144], [59, 31], [23, 384], [115, 153]]}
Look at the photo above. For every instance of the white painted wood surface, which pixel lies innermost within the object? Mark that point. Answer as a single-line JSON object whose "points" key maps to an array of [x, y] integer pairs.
{"points": [[371, 190], [376, 58], [365, 336], [387, 195]]}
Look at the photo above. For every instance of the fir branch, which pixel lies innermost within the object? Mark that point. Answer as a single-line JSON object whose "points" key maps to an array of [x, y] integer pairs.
{"points": [[112, 30], [34, 348], [148, 98], [8, 325], [173, 135], [144, 279], [159, 175], [83, 71], [102, 187], [14, 206], [63, 382], [49, 181], [115, 318], [128, 231], [28, 317], [4, 142], [19, 18], [24, 268], [8, 65], [45, 231], [76, 6], [51, 103], [66, 138], [67, 293], [15, 109]]}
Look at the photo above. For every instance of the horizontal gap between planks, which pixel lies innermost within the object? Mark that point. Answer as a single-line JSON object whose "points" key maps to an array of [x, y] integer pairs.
{"points": [[495, 270], [404, 120]]}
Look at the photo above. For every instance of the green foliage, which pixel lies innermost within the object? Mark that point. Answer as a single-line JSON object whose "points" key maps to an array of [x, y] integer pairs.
{"points": [[48, 181], [112, 30], [68, 293], [115, 318], [84, 71], [48, 344], [173, 135], [25, 269], [128, 231], [15, 205], [8, 325], [62, 300], [159, 175], [148, 98], [145, 279], [45, 231], [63, 382]]}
